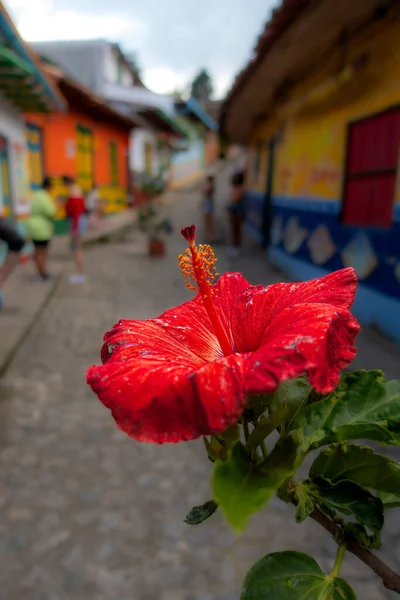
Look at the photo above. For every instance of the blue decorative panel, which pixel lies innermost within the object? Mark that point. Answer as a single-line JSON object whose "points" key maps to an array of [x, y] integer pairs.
{"points": [[308, 240]]}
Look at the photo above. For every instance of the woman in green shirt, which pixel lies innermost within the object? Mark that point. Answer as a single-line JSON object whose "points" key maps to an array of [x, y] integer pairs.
{"points": [[40, 225]]}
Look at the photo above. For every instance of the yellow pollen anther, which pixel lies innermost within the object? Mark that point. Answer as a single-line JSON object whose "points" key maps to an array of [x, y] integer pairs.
{"points": [[198, 267], [201, 257]]}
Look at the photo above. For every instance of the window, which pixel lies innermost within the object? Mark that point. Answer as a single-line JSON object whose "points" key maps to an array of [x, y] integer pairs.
{"points": [[35, 166], [112, 147], [5, 192], [371, 169], [148, 158], [84, 157]]}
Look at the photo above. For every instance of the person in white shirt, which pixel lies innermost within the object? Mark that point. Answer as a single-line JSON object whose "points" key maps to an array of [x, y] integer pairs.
{"points": [[92, 200]]}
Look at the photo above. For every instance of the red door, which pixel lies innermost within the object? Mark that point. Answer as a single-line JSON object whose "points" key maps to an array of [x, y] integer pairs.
{"points": [[373, 152]]}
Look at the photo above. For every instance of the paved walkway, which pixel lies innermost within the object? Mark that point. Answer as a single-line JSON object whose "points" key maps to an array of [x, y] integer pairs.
{"points": [[87, 513], [26, 296]]}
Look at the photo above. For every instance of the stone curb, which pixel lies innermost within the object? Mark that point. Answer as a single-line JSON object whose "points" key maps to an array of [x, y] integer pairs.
{"points": [[7, 355]]}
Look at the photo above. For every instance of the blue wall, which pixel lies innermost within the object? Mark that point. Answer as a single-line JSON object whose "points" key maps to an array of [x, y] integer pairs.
{"points": [[308, 240]]}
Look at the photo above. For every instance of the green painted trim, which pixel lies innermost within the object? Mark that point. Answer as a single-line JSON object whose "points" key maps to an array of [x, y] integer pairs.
{"points": [[12, 58], [113, 158], [84, 129], [172, 122], [61, 227]]}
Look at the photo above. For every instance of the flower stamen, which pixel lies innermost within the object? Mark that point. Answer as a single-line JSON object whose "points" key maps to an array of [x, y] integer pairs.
{"points": [[198, 267]]}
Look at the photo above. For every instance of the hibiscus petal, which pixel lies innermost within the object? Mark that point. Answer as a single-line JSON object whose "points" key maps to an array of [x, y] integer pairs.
{"points": [[258, 306], [137, 339], [228, 290], [316, 339], [154, 401], [189, 324]]}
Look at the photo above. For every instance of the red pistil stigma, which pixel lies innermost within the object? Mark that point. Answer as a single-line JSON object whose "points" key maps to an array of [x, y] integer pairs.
{"points": [[189, 233]]}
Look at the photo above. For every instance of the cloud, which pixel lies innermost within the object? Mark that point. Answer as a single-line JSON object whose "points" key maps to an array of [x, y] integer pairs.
{"points": [[173, 40], [164, 80], [39, 20]]}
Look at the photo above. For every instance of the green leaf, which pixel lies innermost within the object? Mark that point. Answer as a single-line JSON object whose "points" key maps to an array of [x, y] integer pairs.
{"points": [[231, 435], [265, 427], [343, 591], [389, 500], [349, 498], [198, 514], [359, 464], [216, 449], [363, 406], [359, 533], [241, 489], [305, 504], [256, 405], [292, 576], [291, 394]]}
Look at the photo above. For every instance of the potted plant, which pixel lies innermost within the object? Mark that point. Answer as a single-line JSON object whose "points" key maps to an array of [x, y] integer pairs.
{"points": [[155, 227]]}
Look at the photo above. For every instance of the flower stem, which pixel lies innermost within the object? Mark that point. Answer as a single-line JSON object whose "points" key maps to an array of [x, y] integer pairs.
{"points": [[338, 562], [390, 579], [246, 429], [264, 450]]}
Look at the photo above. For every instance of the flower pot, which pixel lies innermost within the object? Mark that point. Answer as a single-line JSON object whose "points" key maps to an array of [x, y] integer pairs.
{"points": [[156, 248]]}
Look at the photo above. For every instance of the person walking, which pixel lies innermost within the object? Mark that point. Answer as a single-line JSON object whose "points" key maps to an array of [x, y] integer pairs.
{"points": [[208, 191], [92, 204], [40, 225], [236, 209], [76, 213], [14, 242]]}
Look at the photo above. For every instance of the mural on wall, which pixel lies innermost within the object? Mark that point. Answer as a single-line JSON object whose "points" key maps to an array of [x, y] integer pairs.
{"points": [[294, 235], [311, 234], [360, 255], [307, 192], [307, 161], [5, 188], [277, 230], [34, 164], [21, 180], [320, 245]]}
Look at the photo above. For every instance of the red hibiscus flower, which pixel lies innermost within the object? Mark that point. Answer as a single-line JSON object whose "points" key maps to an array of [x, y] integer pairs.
{"points": [[189, 372]]}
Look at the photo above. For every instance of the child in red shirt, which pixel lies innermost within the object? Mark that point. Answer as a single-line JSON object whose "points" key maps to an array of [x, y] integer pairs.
{"points": [[76, 213]]}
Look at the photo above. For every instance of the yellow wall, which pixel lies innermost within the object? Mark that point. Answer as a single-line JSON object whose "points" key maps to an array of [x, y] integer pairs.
{"points": [[115, 197], [313, 121]]}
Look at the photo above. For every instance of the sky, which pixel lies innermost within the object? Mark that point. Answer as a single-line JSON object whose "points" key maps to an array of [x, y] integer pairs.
{"points": [[172, 39]]}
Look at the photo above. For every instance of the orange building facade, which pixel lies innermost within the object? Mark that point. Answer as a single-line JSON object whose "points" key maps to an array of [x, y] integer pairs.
{"points": [[211, 147], [90, 143]]}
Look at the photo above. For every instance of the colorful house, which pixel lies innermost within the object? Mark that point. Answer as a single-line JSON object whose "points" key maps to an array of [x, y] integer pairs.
{"points": [[103, 68], [23, 86], [169, 140], [201, 148], [90, 142], [319, 109]]}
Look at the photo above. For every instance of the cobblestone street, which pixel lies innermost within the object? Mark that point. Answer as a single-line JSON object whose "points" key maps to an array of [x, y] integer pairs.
{"points": [[87, 513]]}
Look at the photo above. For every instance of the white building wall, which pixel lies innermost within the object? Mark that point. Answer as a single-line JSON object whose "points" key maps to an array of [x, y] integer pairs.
{"points": [[110, 65], [127, 77], [111, 62], [137, 160], [12, 127], [138, 97]]}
